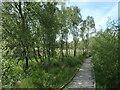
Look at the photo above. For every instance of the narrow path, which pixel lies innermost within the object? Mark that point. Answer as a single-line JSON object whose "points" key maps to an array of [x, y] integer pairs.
{"points": [[84, 77]]}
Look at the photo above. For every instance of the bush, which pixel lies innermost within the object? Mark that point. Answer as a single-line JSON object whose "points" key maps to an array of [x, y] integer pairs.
{"points": [[105, 60], [10, 72]]}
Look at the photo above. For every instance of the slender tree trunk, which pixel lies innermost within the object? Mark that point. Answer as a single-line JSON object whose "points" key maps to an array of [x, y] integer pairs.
{"points": [[88, 41], [83, 49], [62, 44], [52, 52], [44, 53], [25, 64], [66, 48], [35, 55], [44, 49], [39, 55], [48, 52], [26, 60], [62, 50], [75, 48]]}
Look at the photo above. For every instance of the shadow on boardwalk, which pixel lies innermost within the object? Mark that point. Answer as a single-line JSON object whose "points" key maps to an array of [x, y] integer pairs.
{"points": [[84, 78]]}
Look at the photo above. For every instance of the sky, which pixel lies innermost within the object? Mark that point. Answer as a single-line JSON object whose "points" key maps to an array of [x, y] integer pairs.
{"points": [[100, 11]]}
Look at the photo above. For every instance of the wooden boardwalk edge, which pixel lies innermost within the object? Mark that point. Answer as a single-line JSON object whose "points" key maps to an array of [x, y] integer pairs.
{"points": [[93, 74], [69, 80]]}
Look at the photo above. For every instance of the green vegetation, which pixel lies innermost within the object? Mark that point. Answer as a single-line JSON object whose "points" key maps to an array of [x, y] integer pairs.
{"points": [[32, 55], [36, 51], [105, 52], [52, 75]]}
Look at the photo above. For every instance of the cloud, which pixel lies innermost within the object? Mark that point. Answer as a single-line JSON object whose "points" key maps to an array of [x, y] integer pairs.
{"points": [[99, 11], [113, 14]]}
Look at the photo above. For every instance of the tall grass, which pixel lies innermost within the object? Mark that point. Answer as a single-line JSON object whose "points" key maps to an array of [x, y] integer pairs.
{"points": [[48, 75]]}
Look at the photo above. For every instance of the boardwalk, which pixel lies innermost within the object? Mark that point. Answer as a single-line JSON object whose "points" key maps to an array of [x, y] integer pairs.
{"points": [[84, 77]]}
